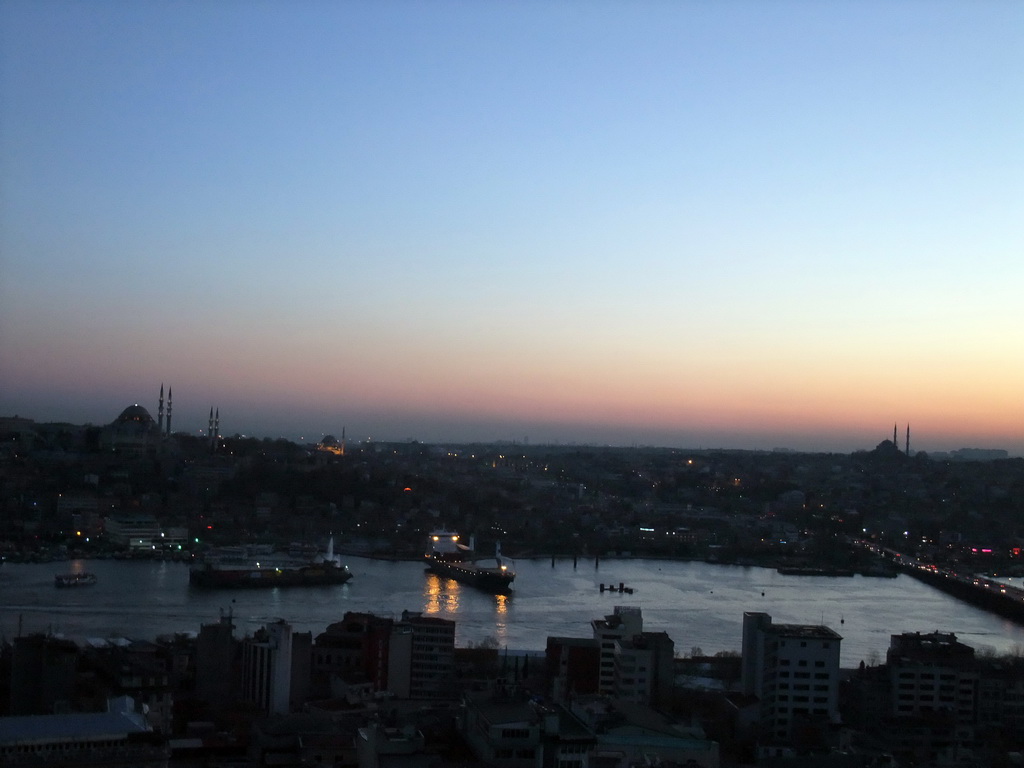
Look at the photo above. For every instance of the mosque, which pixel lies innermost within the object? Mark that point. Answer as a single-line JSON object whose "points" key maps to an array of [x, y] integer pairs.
{"points": [[135, 430], [330, 444]]}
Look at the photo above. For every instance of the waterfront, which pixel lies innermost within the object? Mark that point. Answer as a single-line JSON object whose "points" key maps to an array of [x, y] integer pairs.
{"points": [[697, 604]]}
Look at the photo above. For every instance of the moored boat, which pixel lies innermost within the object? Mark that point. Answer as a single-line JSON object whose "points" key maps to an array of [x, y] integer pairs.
{"points": [[446, 556], [243, 568], [74, 579]]}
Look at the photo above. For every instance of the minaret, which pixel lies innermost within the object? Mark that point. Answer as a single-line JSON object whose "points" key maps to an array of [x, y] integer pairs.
{"points": [[160, 413], [213, 431], [895, 443], [168, 411], [209, 429], [908, 439], [342, 441]]}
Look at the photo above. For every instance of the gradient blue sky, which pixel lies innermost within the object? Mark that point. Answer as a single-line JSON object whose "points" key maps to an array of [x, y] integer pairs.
{"points": [[738, 224]]}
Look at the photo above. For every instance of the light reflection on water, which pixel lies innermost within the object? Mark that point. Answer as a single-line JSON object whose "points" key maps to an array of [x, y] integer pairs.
{"points": [[697, 604], [441, 595], [501, 610], [432, 594]]}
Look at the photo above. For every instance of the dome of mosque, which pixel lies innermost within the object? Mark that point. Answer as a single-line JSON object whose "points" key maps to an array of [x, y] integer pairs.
{"points": [[135, 429], [134, 414]]}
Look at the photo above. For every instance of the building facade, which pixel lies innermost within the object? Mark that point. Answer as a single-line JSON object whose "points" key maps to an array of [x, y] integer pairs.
{"points": [[275, 667], [793, 670], [421, 657], [625, 621]]}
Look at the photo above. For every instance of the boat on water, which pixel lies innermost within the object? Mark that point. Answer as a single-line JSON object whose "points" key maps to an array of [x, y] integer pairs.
{"points": [[260, 567], [74, 579], [447, 556]]}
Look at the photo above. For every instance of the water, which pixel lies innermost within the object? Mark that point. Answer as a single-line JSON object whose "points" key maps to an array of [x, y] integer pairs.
{"points": [[697, 604]]}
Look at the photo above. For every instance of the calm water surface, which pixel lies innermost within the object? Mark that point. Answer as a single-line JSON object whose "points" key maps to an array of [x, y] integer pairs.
{"points": [[697, 604]]}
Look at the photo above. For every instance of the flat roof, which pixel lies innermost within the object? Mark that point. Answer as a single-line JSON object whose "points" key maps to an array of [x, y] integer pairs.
{"points": [[804, 631], [78, 726]]}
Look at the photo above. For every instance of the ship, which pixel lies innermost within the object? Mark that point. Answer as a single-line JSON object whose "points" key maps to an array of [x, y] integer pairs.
{"points": [[447, 556], [260, 567], [74, 580]]}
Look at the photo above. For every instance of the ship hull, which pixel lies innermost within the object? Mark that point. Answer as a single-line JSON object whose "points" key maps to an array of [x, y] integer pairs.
{"points": [[212, 577], [490, 580]]}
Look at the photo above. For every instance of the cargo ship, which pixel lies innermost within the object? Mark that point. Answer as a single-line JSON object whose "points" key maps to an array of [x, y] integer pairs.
{"points": [[447, 556], [253, 567]]}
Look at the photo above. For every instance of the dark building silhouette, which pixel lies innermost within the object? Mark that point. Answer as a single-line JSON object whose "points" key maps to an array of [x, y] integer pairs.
{"points": [[217, 671], [353, 650], [43, 673], [572, 666]]}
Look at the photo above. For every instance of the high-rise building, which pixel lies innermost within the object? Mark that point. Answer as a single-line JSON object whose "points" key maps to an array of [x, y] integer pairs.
{"points": [[934, 682], [216, 662], [421, 657], [625, 621], [643, 668], [275, 667], [633, 665], [793, 669]]}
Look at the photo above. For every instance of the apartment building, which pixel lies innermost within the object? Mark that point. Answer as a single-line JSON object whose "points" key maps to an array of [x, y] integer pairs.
{"points": [[625, 621], [793, 669]]}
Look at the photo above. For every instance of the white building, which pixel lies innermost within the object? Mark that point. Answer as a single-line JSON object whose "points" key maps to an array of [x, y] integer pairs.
{"points": [[275, 667], [793, 669], [625, 622], [643, 668]]}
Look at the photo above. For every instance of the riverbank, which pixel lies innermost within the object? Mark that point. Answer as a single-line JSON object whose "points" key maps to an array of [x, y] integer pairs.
{"points": [[786, 564], [783, 565]]}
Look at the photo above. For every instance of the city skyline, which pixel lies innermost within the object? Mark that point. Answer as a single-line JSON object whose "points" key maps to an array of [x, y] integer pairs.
{"points": [[205, 426], [682, 224]]}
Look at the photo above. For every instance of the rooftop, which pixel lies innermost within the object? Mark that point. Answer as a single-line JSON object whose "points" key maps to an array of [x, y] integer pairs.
{"points": [[804, 631], [79, 726]]}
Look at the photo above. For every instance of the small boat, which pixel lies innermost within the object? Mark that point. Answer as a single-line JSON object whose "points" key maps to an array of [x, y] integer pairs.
{"points": [[74, 579], [447, 557]]}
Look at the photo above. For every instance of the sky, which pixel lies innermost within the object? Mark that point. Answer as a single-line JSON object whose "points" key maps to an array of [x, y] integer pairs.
{"points": [[678, 223]]}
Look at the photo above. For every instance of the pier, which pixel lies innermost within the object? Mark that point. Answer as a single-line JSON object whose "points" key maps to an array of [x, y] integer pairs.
{"points": [[621, 588]]}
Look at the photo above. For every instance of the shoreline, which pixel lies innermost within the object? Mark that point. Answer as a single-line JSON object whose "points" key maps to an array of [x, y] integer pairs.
{"points": [[782, 564]]}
